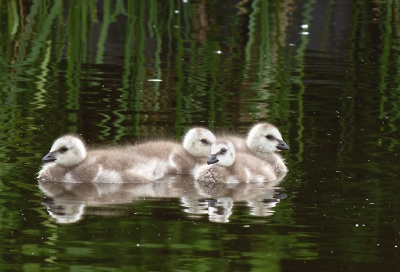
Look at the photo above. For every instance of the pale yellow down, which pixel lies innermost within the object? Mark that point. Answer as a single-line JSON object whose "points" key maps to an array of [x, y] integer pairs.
{"points": [[228, 166], [263, 141], [70, 161]]}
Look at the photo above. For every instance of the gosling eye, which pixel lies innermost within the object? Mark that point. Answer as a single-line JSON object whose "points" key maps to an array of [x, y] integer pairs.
{"points": [[204, 141], [269, 137], [63, 149], [223, 150]]}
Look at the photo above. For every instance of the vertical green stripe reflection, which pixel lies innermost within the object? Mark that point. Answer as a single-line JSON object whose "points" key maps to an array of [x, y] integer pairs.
{"points": [[140, 73], [300, 63], [386, 30], [74, 52], [175, 21]]}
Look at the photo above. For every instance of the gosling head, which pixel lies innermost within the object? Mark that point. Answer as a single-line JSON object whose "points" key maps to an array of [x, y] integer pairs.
{"points": [[222, 153], [265, 138], [67, 151], [198, 142]]}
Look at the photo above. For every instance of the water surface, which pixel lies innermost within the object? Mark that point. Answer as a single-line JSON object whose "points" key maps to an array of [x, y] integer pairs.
{"points": [[324, 72]]}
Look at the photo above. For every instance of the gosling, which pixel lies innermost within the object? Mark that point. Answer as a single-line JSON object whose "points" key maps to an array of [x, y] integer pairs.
{"points": [[227, 166]]}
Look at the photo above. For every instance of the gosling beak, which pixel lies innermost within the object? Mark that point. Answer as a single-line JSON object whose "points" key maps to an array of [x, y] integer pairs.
{"points": [[212, 159], [282, 145], [49, 157]]}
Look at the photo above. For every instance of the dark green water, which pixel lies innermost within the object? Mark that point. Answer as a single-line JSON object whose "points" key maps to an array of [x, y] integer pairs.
{"points": [[325, 72]]}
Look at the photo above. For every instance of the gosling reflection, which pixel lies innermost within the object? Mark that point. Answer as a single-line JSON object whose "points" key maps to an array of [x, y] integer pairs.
{"points": [[64, 212], [217, 199], [70, 202]]}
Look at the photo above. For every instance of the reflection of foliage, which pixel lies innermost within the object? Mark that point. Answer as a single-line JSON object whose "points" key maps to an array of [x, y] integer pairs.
{"points": [[64, 46], [155, 240], [119, 69], [173, 67], [351, 124]]}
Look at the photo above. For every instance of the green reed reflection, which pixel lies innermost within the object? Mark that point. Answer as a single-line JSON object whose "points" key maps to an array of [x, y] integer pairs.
{"points": [[120, 70], [300, 52], [85, 36]]}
